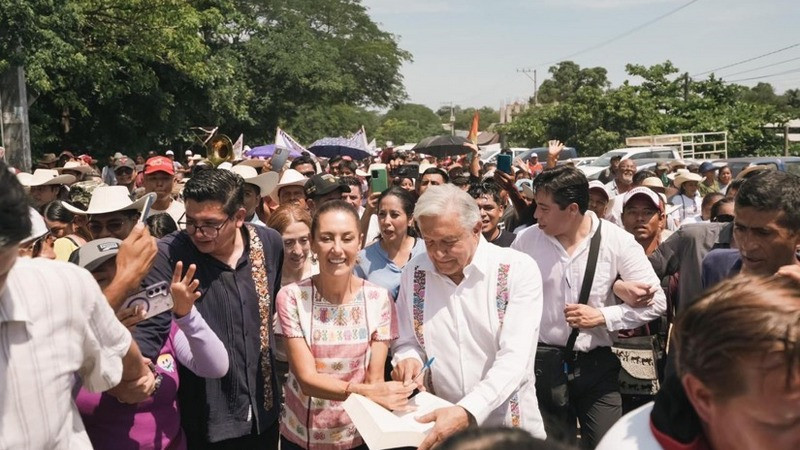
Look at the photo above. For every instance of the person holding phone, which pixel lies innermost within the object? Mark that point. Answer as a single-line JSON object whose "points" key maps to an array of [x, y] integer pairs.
{"points": [[154, 422], [337, 328]]}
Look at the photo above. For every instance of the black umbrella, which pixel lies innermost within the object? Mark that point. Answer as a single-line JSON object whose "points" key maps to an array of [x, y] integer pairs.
{"points": [[442, 146], [338, 146]]}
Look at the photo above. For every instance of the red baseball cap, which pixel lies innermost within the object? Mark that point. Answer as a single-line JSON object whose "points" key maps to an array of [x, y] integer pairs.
{"points": [[159, 164]]}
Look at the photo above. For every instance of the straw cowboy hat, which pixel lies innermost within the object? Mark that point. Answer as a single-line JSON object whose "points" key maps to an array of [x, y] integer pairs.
{"points": [[684, 177], [76, 166], [44, 177], [109, 199], [655, 184], [290, 177], [266, 182]]}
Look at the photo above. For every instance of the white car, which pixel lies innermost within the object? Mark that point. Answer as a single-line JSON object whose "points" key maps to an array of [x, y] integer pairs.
{"points": [[604, 160]]}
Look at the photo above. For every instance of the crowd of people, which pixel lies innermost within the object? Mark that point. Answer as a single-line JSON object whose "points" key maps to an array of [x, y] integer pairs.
{"points": [[645, 309]]}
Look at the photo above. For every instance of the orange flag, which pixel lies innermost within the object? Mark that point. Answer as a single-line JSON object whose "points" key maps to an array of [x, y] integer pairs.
{"points": [[473, 131]]}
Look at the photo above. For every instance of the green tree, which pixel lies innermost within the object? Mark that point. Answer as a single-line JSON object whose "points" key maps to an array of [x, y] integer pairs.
{"points": [[567, 77], [338, 120]]}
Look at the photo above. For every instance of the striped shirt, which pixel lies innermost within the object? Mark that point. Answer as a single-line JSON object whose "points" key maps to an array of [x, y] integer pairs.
{"points": [[55, 323]]}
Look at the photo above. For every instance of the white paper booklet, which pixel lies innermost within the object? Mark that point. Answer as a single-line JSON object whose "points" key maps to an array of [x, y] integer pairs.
{"points": [[382, 428]]}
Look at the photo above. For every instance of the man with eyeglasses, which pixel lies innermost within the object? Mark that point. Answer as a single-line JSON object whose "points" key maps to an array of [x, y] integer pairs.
{"points": [[239, 269]]}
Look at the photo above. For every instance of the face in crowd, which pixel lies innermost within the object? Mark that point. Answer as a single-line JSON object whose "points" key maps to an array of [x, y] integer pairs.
{"points": [[292, 194], [642, 219], [553, 220], [625, 172], [428, 180], [336, 239], [354, 197], [764, 239], [725, 176], [598, 203], [124, 176], [117, 224], [212, 230], [491, 213], [42, 195], [252, 197], [689, 188], [296, 245], [393, 219], [306, 169], [159, 182]]}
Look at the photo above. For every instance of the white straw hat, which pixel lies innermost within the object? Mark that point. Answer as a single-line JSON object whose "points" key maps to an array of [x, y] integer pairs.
{"points": [[684, 177], [44, 177], [76, 166], [109, 199], [266, 182], [290, 177]]}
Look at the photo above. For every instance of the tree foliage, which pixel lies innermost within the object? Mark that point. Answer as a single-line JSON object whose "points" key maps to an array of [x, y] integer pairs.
{"points": [[131, 75], [406, 123], [580, 108]]}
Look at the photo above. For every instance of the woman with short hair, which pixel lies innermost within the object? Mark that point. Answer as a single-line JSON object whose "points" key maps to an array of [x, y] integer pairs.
{"points": [[337, 329]]}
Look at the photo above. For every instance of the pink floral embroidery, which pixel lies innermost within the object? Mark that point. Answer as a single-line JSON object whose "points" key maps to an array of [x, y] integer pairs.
{"points": [[502, 291], [515, 414], [419, 304]]}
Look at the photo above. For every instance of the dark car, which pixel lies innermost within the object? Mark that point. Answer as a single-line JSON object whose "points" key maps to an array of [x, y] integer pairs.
{"points": [[566, 153], [789, 164]]}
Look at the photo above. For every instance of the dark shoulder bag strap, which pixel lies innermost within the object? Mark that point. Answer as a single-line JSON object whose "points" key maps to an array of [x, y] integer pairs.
{"points": [[588, 277]]}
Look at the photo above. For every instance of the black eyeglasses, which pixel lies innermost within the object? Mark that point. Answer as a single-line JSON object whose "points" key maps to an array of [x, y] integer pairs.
{"points": [[210, 231]]}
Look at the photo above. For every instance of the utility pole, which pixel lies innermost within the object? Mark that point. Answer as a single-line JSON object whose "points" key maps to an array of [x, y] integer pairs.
{"points": [[686, 87], [535, 84], [16, 136]]}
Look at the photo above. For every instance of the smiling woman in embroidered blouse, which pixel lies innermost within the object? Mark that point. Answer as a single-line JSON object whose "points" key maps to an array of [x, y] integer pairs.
{"points": [[337, 328]]}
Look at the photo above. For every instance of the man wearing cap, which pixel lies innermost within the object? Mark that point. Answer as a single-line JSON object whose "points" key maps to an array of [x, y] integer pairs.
{"points": [[560, 245], [709, 173], [598, 198], [56, 328], [125, 173], [643, 217], [39, 244], [45, 185], [239, 269], [321, 188], [290, 189], [159, 177], [255, 187]]}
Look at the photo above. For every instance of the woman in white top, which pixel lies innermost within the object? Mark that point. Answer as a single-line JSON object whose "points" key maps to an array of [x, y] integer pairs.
{"points": [[688, 199]]}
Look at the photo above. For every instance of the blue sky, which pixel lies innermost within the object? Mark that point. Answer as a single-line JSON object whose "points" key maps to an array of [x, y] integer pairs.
{"points": [[468, 51]]}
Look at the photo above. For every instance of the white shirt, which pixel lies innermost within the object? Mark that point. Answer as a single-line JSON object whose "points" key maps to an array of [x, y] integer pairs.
{"points": [[54, 323], [176, 210], [562, 278], [482, 366], [688, 206], [631, 432]]}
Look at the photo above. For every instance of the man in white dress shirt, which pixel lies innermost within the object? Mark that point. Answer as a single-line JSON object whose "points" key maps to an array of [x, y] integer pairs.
{"points": [[476, 308], [559, 244], [54, 324]]}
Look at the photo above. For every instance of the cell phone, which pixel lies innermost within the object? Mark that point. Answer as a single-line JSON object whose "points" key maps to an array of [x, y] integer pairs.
{"points": [[380, 178], [155, 299], [279, 159], [504, 163], [146, 209]]}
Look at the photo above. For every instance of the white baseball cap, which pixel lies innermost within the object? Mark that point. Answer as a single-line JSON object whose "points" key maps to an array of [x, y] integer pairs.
{"points": [[643, 192]]}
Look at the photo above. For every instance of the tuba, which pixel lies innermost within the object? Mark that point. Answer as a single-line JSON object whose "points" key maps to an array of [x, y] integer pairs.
{"points": [[219, 149]]}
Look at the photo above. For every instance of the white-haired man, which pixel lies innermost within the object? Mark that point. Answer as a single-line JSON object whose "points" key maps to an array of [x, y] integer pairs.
{"points": [[476, 308]]}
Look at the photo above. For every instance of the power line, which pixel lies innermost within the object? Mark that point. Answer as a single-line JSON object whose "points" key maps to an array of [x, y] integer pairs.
{"points": [[747, 60], [618, 37], [765, 76], [763, 67]]}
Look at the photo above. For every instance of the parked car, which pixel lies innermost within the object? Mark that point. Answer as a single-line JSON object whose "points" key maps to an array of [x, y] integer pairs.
{"points": [[566, 154], [789, 164], [604, 160]]}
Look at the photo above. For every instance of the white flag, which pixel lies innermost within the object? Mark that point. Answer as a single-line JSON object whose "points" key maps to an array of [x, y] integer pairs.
{"points": [[238, 148]]}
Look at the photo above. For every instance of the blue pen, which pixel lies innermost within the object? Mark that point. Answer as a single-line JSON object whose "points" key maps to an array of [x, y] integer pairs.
{"points": [[425, 367]]}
